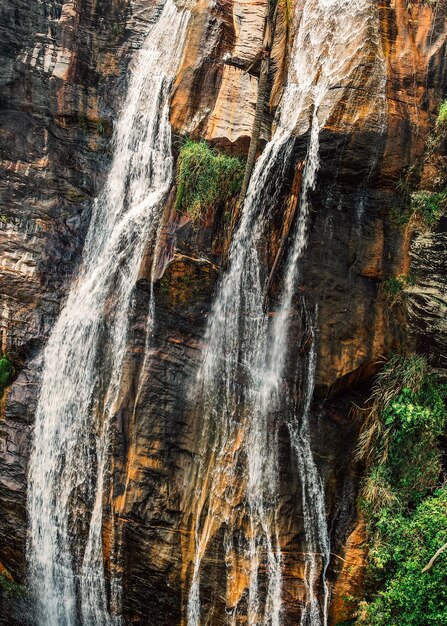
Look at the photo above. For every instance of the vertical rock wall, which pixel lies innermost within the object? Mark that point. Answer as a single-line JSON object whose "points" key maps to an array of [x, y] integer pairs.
{"points": [[63, 74]]}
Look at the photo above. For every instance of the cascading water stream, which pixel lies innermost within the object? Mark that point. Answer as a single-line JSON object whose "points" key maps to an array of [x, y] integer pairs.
{"points": [[339, 31], [244, 362], [84, 356], [314, 510], [232, 416]]}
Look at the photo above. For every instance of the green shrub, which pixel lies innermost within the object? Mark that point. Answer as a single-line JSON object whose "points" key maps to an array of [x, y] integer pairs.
{"points": [[400, 445], [395, 284], [429, 206], [397, 374], [393, 288], [400, 215], [442, 115], [205, 179], [406, 417], [377, 491], [411, 597], [426, 206], [6, 373]]}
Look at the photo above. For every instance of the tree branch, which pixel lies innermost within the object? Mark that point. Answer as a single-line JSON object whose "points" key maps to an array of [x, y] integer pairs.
{"points": [[433, 559]]}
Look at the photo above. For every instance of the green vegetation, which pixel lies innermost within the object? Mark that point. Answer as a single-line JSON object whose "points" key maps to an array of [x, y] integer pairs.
{"points": [[393, 288], [205, 179], [75, 195], [405, 511], [396, 284], [439, 132], [100, 127], [429, 206], [10, 587], [421, 205], [400, 216], [118, 30], [425, 206], [442, 115], [411, 596], [6, 373]]}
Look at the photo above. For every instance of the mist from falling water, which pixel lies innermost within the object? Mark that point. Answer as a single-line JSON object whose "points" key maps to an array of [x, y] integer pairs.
{"points": [[243, 366], [83, 359]]}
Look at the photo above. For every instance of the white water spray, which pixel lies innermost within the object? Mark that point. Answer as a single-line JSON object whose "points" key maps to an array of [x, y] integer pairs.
{"points": [[84, 356]]}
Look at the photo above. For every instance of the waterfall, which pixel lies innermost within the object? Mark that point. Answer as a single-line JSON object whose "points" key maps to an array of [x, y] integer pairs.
{"points": [[83, 359], [337, 32], [316, 531], [243, 367]]}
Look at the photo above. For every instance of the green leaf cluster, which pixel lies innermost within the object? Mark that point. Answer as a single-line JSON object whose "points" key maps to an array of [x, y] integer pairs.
{"points": [[426, 206], [409, 596], [406, 521], [205, 179], [394, 285], [393, 288], [6, 373], [442, 115], [429, 206]]}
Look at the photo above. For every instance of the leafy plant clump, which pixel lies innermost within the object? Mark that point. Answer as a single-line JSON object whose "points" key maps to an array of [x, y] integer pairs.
{"points": [[421, 205], [393, 288], [205, 179], [442, 115], [425, 206], [6, 373], [414, 593], [429, 206], [399, 374], [406, 517]]}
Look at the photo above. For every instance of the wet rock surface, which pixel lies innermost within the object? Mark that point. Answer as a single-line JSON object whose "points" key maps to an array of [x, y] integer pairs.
{"points": [[63, 76]]}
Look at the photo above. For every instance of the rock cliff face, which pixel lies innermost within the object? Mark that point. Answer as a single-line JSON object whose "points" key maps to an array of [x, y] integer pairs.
{"points": [[63, 77], [61, 63]]}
